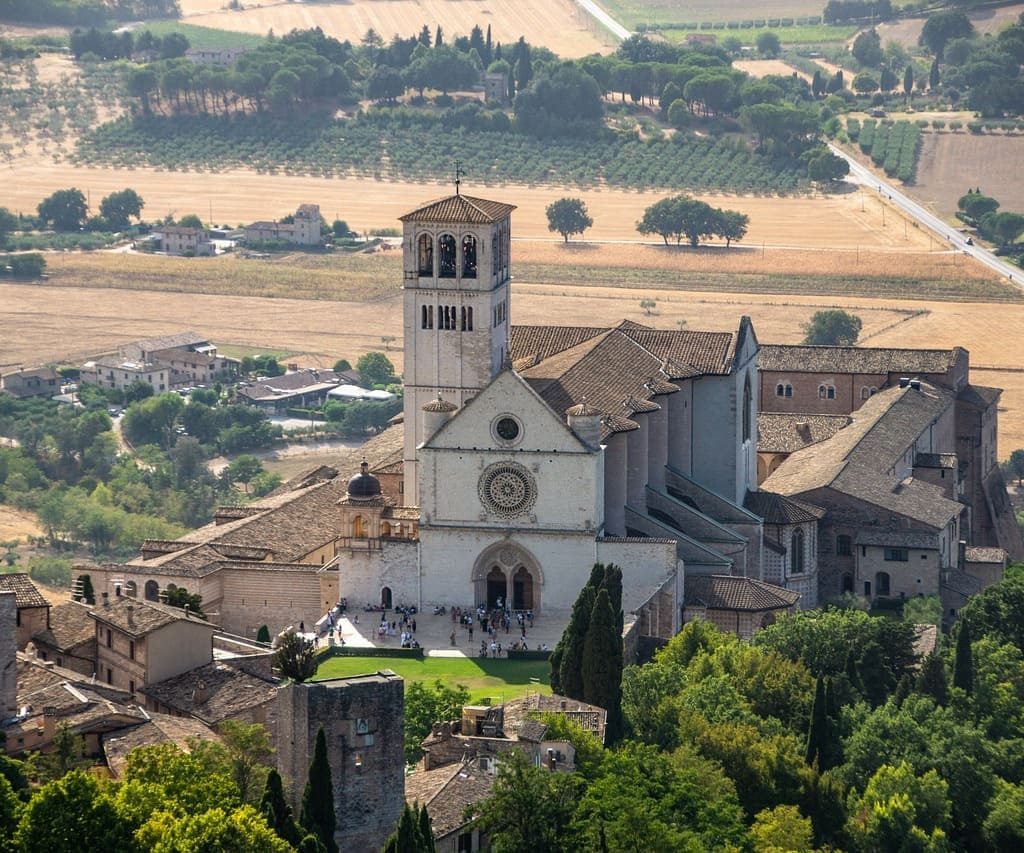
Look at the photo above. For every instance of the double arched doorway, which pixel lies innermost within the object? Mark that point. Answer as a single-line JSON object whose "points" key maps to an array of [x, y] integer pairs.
{"points": [[507, 576]]}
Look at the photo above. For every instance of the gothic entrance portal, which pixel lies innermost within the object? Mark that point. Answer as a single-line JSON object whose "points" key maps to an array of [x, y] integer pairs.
{"points": [[509, 574]]}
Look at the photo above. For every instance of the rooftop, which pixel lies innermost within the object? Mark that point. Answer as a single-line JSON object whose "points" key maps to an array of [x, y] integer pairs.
{"points": [[25, 592], [158, 729], [460, 208], [447, 791], [729, 592], [70, 626], [785, 433], [879, 360], [212, 693], [898, 539], [138, 617], [778, 509]]}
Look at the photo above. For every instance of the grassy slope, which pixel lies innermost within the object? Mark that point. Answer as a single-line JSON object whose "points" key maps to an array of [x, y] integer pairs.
{"points": [[204, 38], [497, 679]]}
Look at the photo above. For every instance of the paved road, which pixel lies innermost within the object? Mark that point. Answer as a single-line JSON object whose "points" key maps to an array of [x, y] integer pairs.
{"points": [[860, 174], [596, 11]]}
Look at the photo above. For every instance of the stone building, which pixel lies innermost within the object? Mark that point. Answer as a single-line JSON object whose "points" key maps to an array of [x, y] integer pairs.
{"points": [[362, 721], [303, 230], [70, 639], [33, 611], [741, 606], [8, 654], [36, 382]]}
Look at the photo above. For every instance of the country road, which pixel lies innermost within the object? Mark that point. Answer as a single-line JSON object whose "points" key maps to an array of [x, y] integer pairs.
{"points": [[591, 8], [860, 174]]}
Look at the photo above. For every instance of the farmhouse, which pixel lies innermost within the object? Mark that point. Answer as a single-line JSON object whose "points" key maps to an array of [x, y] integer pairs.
{"points": [[298, 388], [119, 373], [184, 240], [166, 363], [303, 230], [36, 382]]}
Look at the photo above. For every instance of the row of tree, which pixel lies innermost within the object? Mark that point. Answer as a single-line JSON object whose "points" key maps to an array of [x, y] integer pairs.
{"points": [[1004, 228], [97, 44], [68, 210], [682, 216]]}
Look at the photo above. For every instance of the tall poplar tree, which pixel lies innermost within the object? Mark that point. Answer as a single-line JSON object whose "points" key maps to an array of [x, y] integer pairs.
{"points": [[817, 733]]}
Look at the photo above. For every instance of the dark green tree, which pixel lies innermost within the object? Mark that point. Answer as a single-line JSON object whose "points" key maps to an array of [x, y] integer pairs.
{"points": [[375, 368], [908, 81], [295, 657], [931, 681], [832, 327], [317, 813], [274, 807], [572, 642], [941, 28], [409, 836], [867, 48], [8, 223], [818, 732], [85, 590], [568, 216], [876, 680], [602, 663], [263, 635], [65, 209], [963, 662], [120, 207]]}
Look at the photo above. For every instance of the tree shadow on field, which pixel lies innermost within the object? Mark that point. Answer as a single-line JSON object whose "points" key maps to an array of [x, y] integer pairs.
{"points": [[579, 248], [716, 251], [514, 671]]}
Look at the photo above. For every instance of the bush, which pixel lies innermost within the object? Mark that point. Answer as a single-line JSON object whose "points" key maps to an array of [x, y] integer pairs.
{"points": [[53, 571]]}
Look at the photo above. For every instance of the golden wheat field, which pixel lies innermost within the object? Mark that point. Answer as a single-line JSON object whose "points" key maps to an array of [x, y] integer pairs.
{"points": [[559, 25], [839, 221]]}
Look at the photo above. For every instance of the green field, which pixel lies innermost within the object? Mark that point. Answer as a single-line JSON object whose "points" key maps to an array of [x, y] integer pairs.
{"points": [[204, 38], [808, 34], [633, 13], [485, 678]]}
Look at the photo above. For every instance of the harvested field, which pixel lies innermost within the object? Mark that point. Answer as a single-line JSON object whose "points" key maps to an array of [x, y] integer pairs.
{"points": [[832, 221], [985, 21], [17, 525], [634, 12], [559, 25], [950, 163], [764, 67]]}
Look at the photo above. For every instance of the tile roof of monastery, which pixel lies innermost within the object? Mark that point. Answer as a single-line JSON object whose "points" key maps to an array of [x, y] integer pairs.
{"points": [[616, 370], [138, 617], [25, 592], [859, 459], [730, 592], [158, 729], [446, 792], [980, 395], [212, 693], [778, 509], [785, 433], [70, 626], [460, 208], [825, 359]]}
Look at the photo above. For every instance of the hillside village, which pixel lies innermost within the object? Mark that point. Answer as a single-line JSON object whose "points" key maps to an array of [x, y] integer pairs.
{"points": [[632, 468]]}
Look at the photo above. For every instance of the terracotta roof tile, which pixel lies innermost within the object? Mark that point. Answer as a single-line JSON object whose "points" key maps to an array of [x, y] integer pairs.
{"points": [[447, 792], [158, 729], [778, 509], [70, 626], [825, 359], [212, 693], [462, 209], [138, 617], [728, 592], [784, 433], [25, 592]]}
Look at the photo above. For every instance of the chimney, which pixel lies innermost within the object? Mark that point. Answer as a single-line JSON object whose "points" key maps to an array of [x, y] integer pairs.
{"points": [[915, 384], [585, 420], [106, 599], [131, 615], [961, 554], [201, 693], [904, 381]]}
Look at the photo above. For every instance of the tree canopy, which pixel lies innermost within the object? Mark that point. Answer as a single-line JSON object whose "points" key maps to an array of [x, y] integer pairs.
{"points": [[568, 216], [832, 327]]}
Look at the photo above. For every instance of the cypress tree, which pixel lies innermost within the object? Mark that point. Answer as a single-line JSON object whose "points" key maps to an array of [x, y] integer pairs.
{"points": [[875, 678], [963, 664], [263, 634], [851, 671], [817, 732], [602, 663], [933, 75], [488, 47], [318, 797], [571, 664], [276, 810], [903, 689], [413, 833], [426, 830], [439, 37], [932, 681]]}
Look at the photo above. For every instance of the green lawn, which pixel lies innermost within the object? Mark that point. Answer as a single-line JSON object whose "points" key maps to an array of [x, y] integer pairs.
{"points": [[204, 38], [496, 679]]}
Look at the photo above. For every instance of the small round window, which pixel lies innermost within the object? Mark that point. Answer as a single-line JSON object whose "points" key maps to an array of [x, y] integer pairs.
{"points": [[507, 429]]}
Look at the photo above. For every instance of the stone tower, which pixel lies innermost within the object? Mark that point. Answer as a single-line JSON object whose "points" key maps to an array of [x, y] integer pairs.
{"points": [[8, 656], [456, 281]]}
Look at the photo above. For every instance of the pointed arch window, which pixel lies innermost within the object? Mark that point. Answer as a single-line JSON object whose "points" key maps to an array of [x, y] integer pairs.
{"points": [[469, 256], [796, 553], [747, 407], [447, 250], [425, 255]]}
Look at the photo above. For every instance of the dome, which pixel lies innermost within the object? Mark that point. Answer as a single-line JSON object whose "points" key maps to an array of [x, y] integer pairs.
{"points": [[363, 485], [582, 410], [440, 405]]}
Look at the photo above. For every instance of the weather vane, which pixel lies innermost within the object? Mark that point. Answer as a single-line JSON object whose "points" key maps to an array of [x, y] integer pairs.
{"points": [[459, 172]]}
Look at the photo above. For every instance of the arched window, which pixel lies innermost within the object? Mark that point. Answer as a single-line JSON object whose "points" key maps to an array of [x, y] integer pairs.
{"points": [[872, 391], [152, 591], [780, 390], [385, 598], [494, 254], [469, 319], [469, 256], [831, 392], [462, 314], [865, 392], [430, 316], [881, 583], [385, 529], [789, 390], [821, 392], [747, 400], [425, 255], [423, 321], [358, 527], [447, 249], [796, 553]]}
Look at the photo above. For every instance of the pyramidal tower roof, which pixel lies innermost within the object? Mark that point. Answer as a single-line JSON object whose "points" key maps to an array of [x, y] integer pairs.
{"points": [[460, 208]]}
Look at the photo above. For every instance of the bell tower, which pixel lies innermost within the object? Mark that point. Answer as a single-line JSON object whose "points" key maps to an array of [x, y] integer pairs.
{"points": [[456, 310]]}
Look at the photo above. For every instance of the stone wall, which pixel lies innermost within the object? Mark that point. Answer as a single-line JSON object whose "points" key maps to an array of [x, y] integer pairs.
{"points": [[8, 656], [362, 719]]}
